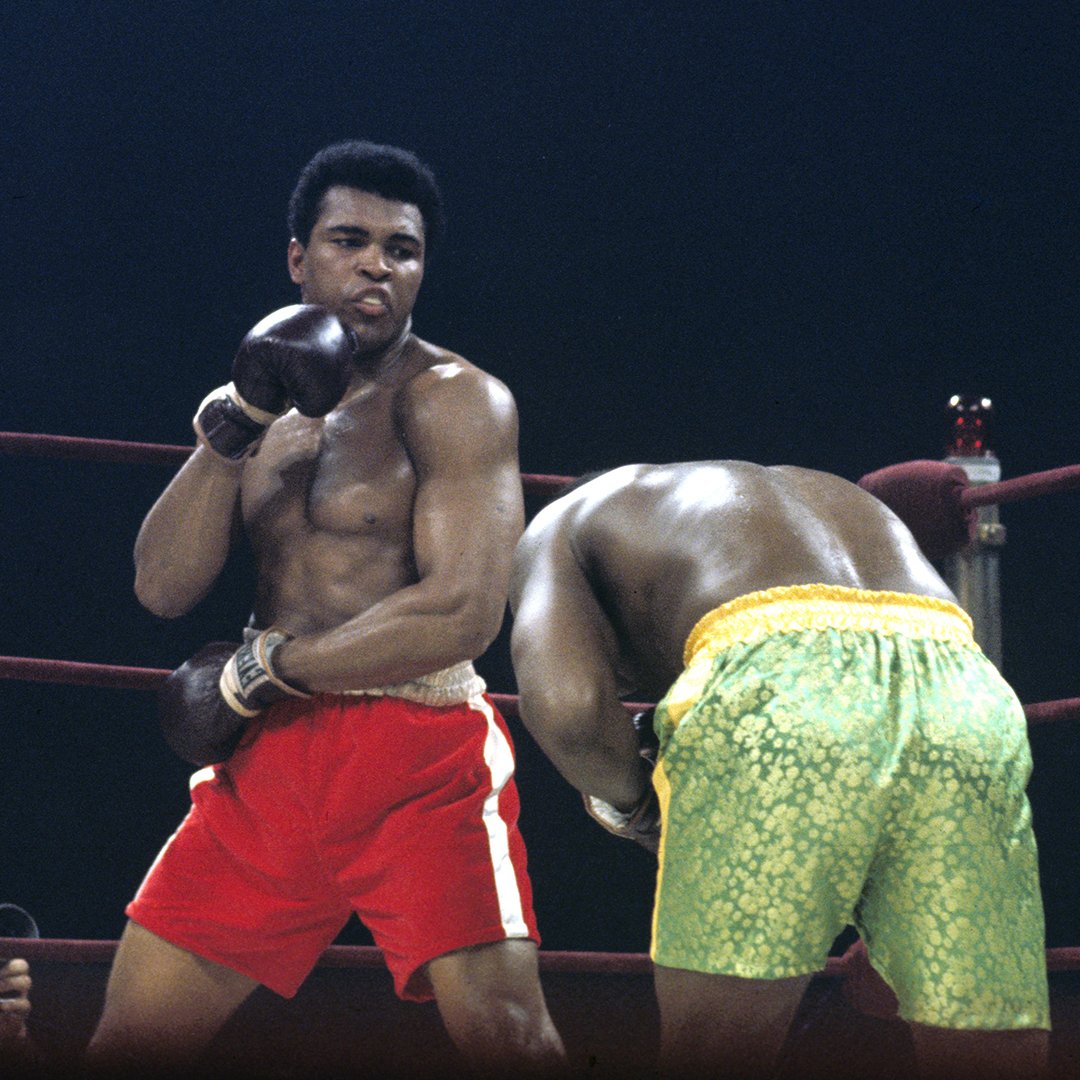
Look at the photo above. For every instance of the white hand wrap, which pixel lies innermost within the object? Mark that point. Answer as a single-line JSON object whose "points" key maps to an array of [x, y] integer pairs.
{"points": [[248, 682], [641, 824], [228, 424]]}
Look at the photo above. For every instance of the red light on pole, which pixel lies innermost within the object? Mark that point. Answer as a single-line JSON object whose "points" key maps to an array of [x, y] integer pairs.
{"points": [[969, 424]]}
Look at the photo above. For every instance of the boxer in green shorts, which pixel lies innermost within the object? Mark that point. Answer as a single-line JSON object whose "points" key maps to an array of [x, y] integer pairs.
{"points": [[834, 749]]}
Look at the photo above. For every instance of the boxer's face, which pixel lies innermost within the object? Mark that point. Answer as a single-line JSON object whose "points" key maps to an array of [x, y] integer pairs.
{"points": [[364, 261]]}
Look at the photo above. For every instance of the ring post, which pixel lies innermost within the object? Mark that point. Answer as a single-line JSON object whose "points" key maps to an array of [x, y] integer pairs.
{"points": [[974, 574]]}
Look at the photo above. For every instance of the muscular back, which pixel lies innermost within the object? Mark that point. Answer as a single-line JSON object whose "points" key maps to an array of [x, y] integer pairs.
{"points": [[662, 545]]}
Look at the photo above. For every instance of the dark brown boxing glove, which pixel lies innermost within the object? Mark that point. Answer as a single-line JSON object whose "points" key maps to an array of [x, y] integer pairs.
{"points": [[301, 355], [197, 724], [204, 705]]}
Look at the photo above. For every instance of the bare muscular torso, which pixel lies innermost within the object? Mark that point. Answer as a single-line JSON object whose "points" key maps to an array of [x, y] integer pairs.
{"points": [[328, 503], [663, 545]]}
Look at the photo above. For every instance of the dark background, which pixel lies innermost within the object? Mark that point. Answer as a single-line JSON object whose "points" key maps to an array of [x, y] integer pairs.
{"points": [[779, 231]]}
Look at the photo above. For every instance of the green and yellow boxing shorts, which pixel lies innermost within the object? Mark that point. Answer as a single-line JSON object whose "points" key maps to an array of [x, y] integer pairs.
{"points": [[833, 756]]}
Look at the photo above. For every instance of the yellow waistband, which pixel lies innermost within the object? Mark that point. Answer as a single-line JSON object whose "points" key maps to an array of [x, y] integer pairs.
{"points": [[790, 608]]}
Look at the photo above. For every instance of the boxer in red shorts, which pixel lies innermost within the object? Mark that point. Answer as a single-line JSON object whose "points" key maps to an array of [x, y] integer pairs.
{"points": [[350, 759], [295, 822]]}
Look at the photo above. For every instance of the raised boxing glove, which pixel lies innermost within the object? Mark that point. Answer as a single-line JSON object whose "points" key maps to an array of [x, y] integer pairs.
{"points": [[300, 355], [205, 704]]}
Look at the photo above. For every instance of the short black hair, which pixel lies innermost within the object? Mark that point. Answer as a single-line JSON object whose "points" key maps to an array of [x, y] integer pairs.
{"points": [[388, 171]]}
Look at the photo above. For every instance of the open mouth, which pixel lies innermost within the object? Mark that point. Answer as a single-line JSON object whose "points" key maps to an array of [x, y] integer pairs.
{"points": [[371, 303]]}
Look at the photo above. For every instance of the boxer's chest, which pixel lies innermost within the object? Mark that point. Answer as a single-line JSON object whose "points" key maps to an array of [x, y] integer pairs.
{"points": [[348, 472]]}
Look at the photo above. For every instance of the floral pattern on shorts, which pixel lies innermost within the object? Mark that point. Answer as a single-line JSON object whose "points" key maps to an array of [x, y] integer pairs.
{"points": [[852, 757]]}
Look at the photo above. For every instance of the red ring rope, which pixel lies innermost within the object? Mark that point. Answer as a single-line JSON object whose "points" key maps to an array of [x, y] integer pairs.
{"points": [[70, 448], [60, 950], [134, 678], [112, 450], [1049, 482]]}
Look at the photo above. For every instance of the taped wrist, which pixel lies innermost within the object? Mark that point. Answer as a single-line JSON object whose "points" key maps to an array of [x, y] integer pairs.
{"points": [[248, 682], [228, 424]]}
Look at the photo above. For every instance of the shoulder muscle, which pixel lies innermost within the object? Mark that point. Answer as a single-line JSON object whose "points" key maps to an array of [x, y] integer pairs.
{"points": [[453, 411]]}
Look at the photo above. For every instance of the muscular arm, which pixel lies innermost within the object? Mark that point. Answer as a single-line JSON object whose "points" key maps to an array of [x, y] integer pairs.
{"points": [[565, 658], [460, 428], [185, 539]]}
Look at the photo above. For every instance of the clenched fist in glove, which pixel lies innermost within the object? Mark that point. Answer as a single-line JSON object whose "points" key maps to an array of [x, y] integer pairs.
{"points": [[301, 355], [205, 704], [641, 823]]}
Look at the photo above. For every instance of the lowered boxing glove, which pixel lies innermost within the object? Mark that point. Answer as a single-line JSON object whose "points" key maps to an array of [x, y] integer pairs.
{"points": [[642, 822], [301, 355], [205, 704], [648, 743]]}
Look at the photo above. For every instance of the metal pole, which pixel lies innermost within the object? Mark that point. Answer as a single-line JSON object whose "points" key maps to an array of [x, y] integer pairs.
{"points": [[974, 574]]}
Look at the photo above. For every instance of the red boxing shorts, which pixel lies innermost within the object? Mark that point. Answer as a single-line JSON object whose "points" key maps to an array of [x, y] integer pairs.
{"points": [[404, 813]]}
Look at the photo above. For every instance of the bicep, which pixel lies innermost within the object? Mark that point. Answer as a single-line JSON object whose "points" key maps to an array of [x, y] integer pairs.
{"points": [[468, 511]]}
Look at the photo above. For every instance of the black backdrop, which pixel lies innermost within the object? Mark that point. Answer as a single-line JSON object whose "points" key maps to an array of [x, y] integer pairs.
{"points": [[779, 231]]}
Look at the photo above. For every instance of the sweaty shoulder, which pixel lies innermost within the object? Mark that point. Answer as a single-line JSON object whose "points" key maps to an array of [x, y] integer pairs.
{"points": [[575, 509], [441, 384], [668, 493], [454, 416]]}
